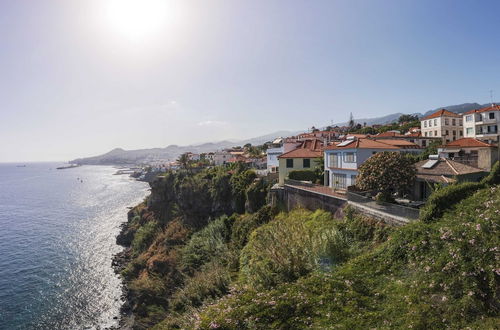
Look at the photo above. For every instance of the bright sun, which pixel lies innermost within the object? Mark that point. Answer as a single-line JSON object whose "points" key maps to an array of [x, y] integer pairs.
{"points": [[138, 20]]}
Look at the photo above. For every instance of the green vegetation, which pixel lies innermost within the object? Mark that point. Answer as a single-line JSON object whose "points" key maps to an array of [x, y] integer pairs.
{"points": [[303, 175], [443, 274], [388, 172], [263, 269]]}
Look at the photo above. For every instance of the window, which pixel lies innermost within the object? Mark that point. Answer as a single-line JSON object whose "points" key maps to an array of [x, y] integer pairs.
{"points": [[430, 133], [425, 133], [339, 180], [289, 163], [430, 123], [446, 121], [425, 123], [468, 118], [491, 115], [447, 132], [424, 143], [435, 122], [334, 160], [454, 133], [350, 157], [453, 122], [460, 122], [435, 133], [461, 133], [306, 163], [469, 131]]}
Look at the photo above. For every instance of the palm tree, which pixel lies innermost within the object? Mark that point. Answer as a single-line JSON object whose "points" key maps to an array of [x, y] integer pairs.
{"points": [[184, 161]]}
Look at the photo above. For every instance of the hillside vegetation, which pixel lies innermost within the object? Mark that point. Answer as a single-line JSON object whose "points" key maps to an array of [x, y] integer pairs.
{"points": [[200, 259]]}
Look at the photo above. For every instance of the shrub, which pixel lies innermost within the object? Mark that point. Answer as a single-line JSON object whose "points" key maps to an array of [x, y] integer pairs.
{"points": [[289, 247], [144, 237], [386, 171], [444, 198], [256, 196], [494, 177], [244, 225], [303, 175], [207, 244]]}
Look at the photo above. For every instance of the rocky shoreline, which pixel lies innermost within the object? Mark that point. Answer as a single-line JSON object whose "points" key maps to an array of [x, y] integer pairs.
{"points": [[119, 262]]}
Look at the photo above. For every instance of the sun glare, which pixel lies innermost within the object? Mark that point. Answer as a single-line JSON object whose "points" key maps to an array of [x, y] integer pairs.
{"points": [[139, 20]]}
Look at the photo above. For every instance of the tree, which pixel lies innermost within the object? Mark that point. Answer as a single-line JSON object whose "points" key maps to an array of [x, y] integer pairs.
{"points": [[387, 172], [184, 160], [407, 118], [351, 122]]}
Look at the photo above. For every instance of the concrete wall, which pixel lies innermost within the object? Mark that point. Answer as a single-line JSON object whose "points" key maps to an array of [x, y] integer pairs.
{"points": [[294, 197]]}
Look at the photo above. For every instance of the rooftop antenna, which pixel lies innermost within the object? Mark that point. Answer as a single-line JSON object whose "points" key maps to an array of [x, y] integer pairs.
{"points": [[491, 97]]}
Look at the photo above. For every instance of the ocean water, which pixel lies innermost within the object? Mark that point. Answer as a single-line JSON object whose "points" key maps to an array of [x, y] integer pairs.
{"points": [[57, 239]]}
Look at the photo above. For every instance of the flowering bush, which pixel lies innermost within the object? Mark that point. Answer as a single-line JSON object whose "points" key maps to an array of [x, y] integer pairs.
{"points": [[386, 171]]}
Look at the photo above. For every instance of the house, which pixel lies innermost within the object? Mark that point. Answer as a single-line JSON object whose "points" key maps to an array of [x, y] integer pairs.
{"points": [[210, 157], [444, 124], [303, 157], [221, 157], [413, 136], [441, 171], [483, 124], [278, 147], [343, 159], [472, 152]]}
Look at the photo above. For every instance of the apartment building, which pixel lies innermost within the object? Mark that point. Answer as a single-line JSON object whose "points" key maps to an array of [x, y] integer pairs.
{"points": [[444, 124], [483, 124]]}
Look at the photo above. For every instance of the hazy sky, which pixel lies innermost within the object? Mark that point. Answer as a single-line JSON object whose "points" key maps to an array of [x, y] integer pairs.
{"points": [[78, 78]]}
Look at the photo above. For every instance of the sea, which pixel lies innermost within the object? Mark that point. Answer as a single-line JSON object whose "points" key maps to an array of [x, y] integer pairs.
{"points": [[58, 233]]}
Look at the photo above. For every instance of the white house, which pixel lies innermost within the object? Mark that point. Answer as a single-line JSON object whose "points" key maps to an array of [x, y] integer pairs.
{"points": [[483, 124], [444, 124], [221, 157], [342, 160]]}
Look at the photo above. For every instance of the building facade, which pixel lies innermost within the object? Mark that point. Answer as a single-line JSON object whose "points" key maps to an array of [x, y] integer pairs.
{"points": [[304, 157], [444, 124], [483, 124], [343, 159]]}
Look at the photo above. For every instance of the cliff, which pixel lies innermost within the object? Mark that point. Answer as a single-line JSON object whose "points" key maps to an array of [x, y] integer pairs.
{"points": [[199, 259]]}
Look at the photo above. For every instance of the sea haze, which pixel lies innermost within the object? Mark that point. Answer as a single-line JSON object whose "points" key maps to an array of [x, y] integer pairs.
{"points": [[57, 239]]}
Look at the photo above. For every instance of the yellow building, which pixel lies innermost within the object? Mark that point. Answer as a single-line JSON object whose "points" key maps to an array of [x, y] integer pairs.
{"points": [[304, 157]]}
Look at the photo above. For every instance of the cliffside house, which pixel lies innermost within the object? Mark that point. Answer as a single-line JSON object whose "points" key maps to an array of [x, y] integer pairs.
{"points": [[343, 159], [442, 171], [472, 152], [304, 157], [483, 124], [278, 147], [444, 124]]}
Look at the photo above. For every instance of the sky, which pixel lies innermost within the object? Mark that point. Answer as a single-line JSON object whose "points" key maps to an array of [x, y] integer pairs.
{"points": [[81, 77]]}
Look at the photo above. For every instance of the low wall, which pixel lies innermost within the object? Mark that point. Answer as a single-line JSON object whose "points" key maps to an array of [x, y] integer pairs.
{"points": [[294, 197]]}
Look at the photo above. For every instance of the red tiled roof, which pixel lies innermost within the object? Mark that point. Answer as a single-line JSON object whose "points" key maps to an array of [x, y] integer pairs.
{"points": [[363, 144], [388, 134], [312, 148], [468, 142], [441, 113], [493, 107], [401, 143]]}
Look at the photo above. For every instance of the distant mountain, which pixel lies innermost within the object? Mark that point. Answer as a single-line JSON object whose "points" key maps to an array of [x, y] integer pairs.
{"points": [[120, 156], [459, 108]]}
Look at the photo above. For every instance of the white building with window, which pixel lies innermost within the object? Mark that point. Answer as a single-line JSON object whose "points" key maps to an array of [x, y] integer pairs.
{"points": [[483, 124], [444, 124], [342, 160]]}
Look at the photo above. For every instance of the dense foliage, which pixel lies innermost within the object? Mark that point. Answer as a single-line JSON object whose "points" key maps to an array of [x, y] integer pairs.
{"points": [[306, 269], [387, 172]]}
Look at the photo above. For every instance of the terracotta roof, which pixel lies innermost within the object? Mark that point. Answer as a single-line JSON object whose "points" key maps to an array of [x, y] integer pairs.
{"points": [[445, 167], [468, 142], [312, 148], [362, 144], [401, 143], [388, 134], [441, 113], [493, 107]]}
